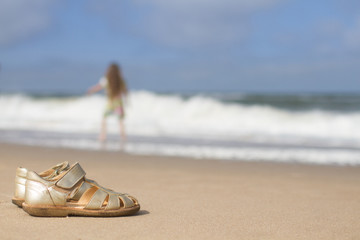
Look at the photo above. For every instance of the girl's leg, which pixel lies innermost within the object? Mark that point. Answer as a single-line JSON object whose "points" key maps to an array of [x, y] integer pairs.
{"points": [[121, 114], [102, 135], [122, 130]]}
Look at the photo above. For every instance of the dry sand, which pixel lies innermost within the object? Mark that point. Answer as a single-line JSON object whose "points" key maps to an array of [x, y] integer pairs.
{"points": [[193, 199]]}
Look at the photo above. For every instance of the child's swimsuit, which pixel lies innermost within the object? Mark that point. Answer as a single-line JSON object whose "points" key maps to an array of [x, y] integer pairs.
{"points": [[114, 106]]}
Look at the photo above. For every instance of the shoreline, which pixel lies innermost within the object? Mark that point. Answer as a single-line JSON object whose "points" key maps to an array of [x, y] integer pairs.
{"points": [[184, 198], [188, 148]]}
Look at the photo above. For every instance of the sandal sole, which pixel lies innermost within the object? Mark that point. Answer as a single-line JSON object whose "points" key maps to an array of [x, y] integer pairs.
{"points": [[53, 211], [18, 201]]}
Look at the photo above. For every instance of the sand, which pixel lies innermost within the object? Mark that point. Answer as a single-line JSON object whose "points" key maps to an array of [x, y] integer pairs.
{"points": [[193, 199]]}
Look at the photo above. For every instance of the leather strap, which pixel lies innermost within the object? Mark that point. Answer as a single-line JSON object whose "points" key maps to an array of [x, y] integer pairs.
{"points": [[126, 200], [55, 170], [97, 200], [71, 177], [113, 202], [84, 186]]}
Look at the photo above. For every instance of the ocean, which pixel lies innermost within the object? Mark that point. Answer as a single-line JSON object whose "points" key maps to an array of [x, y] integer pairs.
{"points": [[305, 128]]}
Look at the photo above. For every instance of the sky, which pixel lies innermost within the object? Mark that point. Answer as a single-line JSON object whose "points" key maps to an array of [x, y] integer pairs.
{"points": [[181, 45]]}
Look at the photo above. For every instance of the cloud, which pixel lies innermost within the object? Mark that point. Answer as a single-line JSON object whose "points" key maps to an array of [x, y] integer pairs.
{"points": [[20, 19], [184, 23]]}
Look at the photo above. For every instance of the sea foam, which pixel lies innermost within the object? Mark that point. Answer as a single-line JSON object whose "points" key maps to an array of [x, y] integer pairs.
{"points": [[195, 117]]}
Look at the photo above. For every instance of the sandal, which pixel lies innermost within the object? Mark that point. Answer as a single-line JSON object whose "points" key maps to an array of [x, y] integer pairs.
{"points": [[20, 180], [71, 194]]}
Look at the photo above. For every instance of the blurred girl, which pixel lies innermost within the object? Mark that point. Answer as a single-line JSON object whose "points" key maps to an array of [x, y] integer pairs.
{"points": [[115, 86]]}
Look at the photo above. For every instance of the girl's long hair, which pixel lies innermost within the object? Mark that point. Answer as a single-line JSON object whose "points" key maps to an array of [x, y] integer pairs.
{"points": [[116, 82]]}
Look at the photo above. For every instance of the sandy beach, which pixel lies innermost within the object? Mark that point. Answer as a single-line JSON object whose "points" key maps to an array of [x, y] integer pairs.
{"points": [[193, 199]]}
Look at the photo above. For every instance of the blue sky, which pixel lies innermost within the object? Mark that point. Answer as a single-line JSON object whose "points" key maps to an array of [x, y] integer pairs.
{"points": [[182, 45]]}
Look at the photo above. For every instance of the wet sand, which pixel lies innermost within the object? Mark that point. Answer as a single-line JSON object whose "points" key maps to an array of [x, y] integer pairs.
{"points": [[193, 199]]}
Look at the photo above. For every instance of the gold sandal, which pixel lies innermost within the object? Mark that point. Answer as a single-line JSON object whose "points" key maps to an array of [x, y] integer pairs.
{"points": [[70, 193], [20, 180]]}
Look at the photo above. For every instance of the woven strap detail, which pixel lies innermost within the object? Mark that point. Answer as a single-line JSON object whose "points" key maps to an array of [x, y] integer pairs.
{"points": [[126, 200], [71, 177], [114, 202], [97, 199], [84, 186]]}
